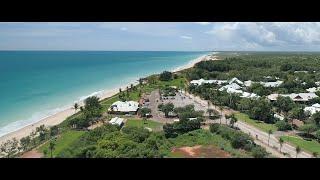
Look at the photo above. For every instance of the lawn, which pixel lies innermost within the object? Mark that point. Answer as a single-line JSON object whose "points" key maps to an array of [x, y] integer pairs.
{"points": [[309, 146], [149, 123], [258, 124], [62, 142], [179, 82]]}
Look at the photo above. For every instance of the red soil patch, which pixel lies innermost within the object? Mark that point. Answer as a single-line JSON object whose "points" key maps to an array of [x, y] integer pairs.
{"points": [[32, 154], [201, 151]]}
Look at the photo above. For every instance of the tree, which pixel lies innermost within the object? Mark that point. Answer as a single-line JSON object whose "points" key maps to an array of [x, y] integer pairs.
{"points": [[298, 150], [281, 141], [315, 154], [233, 120], [285, 104], [282, 125], [75, 107], [9, 148], [317, 134], [316, 118], [269, 133], [144, 111], [262, 111], [166, 109], [54, 130], [144, 120], [52, 145], [25, 143], [165, 76], [210, 111], [220, 108], [308, 129], [120, 90], [140, 81]]}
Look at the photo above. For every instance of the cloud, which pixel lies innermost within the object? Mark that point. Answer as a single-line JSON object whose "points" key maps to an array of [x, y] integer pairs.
{"points": [[203, 23], [186, 37], [123, 29]]}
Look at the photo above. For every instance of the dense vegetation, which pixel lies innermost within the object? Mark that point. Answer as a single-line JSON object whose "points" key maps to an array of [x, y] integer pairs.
{"points": [[298, 71]]}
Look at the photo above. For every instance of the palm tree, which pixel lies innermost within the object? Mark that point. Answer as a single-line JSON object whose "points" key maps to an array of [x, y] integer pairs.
{"points": [[51, 147], [210, 111], [233, 120], [269, 133], [315, 154], [298, 150], [144, 120], [281, 141], [220, 108], [120, 90], [75, 107]]}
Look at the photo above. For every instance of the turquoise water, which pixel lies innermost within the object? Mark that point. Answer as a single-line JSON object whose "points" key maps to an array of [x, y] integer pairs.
{"points": [[36, 84]]}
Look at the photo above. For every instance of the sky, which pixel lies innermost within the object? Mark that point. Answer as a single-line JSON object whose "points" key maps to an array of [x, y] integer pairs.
{"points": [[161, 36]]}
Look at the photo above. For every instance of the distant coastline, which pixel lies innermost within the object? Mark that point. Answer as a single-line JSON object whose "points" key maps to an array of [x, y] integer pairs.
{"points": [[60, 116]]}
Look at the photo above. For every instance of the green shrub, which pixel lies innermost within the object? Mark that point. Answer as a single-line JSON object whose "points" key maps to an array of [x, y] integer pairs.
{"points": [[283, 126]]}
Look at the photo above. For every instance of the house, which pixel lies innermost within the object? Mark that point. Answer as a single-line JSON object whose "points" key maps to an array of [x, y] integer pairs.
{"points": [[248, 83], [278, 117], [249, 95], [313, 109], [230, 86], [235, 80], [317, 83], [202, 81], [124, 107], [271, 84], [302, 97], [313, 89], [116, 121]]}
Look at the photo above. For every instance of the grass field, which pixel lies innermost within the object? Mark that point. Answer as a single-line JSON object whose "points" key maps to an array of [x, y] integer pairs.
{"points": [[309, 146], [149, 123], [258, 124], [63, 141]]}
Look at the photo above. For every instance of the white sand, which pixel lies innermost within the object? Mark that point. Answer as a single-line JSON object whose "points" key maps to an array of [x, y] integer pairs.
{"points": [[61, 116]]}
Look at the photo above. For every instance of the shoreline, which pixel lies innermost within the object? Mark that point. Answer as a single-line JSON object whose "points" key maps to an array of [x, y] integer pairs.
{"points": [[59, 117]]}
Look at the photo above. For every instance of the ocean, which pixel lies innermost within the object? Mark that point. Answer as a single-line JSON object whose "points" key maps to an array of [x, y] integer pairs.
{"points": [[37, 84]]}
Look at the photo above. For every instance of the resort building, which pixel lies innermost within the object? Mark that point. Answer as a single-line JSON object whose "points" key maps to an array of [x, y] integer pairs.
{"points": [[313, 89], [278, 117], [202, 81], [124, 107], [235, 80], [271, 84], [313, 109], [232, 86], [116, 120], [302, 97], [248, 83]]}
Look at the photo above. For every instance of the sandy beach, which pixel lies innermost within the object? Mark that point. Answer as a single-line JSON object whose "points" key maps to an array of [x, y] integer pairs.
{"points": [[61, 116]]}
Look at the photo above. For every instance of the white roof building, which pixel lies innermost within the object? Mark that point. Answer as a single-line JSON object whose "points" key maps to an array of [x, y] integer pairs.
{"points": [[117, 121], [271, 84], [294, 96], [230, 86], [127, 106], [278, 116], [317, 83], [235, 80], [313, 109], [313, 89], [248, 83], [202, 81]]}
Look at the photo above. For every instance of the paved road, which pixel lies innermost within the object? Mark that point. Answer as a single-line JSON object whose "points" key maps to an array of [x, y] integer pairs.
{"points": [[262, 136]]}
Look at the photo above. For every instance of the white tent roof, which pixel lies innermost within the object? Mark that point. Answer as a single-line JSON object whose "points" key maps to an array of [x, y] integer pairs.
{"points": [[116, 120]]}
